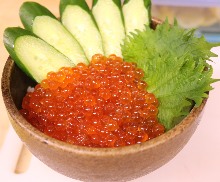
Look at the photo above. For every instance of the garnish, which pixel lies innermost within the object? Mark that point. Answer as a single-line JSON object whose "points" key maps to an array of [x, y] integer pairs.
{"points": [[175, 65]]}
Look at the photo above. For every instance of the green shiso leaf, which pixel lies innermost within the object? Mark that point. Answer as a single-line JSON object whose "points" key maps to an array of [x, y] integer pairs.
{"points": [[175, 65]]}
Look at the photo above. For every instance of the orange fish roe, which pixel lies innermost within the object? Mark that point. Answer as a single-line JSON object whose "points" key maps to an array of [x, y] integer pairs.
{"points": [[104, 104]]}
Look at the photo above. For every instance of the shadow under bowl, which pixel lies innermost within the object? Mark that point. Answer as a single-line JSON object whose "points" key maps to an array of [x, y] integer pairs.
{"points": [[93, 164]]}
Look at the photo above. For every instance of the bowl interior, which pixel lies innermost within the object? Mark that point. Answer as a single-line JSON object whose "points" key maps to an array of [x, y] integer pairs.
{"points": [[19, 82]]}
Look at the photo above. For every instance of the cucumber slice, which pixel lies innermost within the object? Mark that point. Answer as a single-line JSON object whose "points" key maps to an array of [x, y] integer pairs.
{"points": [[108, 16], [77, 18], [53, 32], [137, 14], [34, 56], [41, 22], [29, 10]]}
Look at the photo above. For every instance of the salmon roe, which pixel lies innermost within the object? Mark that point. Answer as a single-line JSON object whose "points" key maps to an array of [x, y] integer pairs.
{"points": [[104, 104]]}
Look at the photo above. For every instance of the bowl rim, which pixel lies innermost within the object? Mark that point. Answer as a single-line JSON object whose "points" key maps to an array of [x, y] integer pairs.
{"points": [[82, 150]]}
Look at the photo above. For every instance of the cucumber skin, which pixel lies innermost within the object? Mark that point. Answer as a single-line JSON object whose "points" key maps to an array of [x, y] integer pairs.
{"points": [[147, 4], [119, 6], [81, 3], [29, 11], [117, 3], [10, 36], [34, 10], [54, 27]]}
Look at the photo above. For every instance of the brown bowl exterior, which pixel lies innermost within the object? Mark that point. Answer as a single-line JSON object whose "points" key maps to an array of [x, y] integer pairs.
{"points": [[93, 164]]}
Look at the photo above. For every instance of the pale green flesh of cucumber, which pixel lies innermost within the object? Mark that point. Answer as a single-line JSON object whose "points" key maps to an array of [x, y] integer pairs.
{"points": [[109, 20], [55, 34], [135, 15], [38, 57], [83, 28]]}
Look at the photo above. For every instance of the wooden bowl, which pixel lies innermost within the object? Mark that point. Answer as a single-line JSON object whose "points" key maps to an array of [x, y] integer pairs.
{"points": [[92, 164]]}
